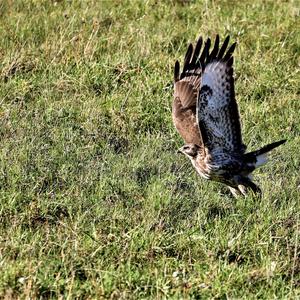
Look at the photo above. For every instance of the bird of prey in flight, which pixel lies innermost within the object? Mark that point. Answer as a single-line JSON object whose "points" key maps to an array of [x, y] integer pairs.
{"points": [[205, 114]]}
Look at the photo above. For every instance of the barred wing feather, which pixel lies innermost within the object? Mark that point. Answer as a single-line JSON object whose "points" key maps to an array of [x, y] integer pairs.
{"points": [[217, 110]]}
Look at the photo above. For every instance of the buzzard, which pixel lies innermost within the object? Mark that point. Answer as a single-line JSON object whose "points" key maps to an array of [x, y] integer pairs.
{"points": [[205, 114]]}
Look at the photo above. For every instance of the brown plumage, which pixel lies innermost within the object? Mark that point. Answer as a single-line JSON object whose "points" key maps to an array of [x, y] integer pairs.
{"points": [[205, 114]]}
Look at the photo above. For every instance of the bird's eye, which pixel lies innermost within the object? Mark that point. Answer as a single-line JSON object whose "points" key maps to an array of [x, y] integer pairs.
{"points": [[186, 147]]}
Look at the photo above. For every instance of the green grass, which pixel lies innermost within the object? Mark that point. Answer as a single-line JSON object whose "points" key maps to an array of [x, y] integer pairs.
{"points": [[94, 201]]}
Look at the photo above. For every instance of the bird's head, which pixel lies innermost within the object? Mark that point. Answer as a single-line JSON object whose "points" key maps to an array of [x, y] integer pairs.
{"points": [[190, 150]]}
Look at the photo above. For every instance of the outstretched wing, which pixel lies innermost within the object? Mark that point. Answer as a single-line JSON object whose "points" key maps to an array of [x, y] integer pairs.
{"points": [[187, 86], [186, 89], [217, 110]]}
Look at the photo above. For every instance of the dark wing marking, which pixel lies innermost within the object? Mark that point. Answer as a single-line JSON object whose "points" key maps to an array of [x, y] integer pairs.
{"points": [[187, 86], [217, 110]]}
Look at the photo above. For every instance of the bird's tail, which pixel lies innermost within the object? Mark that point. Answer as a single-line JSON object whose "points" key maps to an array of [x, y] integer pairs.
{"points": [[260, 157]]}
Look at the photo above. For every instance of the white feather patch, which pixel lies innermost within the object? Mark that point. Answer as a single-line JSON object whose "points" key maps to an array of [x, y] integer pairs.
{"points": [[261, 160]]}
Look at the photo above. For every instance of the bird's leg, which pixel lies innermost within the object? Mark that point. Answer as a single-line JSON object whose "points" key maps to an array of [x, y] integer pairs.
{"points": [[244, 183], [242, 189], [235, 192]]}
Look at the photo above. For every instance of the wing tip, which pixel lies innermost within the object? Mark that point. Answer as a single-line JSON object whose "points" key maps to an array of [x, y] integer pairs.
{"points": [[229, 52], [176, 71], [227, 39], [281, 142], [195, 58], [189, 52]]}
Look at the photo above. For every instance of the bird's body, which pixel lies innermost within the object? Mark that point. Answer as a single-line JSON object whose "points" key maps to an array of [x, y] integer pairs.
{"points": [[205, 114]]}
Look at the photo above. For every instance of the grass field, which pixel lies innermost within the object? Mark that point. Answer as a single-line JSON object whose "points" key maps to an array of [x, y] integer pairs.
{"points": [[94, 200]]}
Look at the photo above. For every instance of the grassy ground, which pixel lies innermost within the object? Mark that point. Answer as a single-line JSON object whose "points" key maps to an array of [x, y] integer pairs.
{"points": [[94, 200]]}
